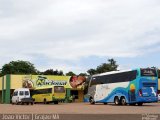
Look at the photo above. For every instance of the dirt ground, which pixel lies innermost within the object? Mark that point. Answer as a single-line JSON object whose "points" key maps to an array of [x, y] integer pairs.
{"points": [[80, 108]]}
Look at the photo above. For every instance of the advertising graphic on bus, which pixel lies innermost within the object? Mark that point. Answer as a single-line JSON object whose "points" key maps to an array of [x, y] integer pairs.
{"points": [[132, 87]]}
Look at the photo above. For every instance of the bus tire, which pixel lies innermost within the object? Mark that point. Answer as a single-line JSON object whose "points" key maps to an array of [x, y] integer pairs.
{"points": [[140, 104], [55, 102], [105, 103], [116, 101], [45, 101], [123, 101], [91, 100]]}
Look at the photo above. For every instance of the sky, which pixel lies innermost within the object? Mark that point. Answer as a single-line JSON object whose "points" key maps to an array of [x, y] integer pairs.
{"points": [[76, 35]]}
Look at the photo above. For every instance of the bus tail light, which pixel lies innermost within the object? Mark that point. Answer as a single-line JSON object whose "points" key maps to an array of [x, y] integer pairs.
{"points": [[140, 92]]}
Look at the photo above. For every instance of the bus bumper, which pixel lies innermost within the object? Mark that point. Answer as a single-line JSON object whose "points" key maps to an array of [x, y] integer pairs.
{"points": [[147, 99], [58, 99]]}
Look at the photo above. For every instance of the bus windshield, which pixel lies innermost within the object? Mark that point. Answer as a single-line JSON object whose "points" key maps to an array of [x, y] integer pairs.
{"points": [[59, 89], [149, 72]]}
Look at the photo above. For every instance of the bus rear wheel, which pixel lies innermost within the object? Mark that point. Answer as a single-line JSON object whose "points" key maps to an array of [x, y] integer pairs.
{"points": [[123, 101], [91, 100], [116, 101]]}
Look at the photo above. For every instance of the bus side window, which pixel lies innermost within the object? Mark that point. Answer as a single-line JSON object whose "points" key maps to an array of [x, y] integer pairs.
{"points": [[50, 90]]}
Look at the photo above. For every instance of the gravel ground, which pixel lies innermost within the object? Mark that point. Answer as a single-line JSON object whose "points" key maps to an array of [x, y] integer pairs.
{"points": [[80, 108]]}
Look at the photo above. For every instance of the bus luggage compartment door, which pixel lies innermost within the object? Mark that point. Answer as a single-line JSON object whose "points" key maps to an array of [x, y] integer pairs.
{"points": [[132, 96]]}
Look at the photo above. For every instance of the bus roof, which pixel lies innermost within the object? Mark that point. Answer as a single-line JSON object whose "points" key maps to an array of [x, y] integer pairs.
{"points": [[121, 71], [112, 72]]}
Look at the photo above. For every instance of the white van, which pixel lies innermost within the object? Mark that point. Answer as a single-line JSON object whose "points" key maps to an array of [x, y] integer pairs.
{"points": [[21, 95]]}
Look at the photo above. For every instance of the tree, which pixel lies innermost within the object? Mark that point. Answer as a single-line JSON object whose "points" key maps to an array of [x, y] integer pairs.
{"points": [[70, 73], [48, 72], [113, 64], [91, 71], [39, 72], [52, 72], [83, 74], [61, 72], [158, 73], [0, 72], [18, 67], [105, 67], [55, 72]]}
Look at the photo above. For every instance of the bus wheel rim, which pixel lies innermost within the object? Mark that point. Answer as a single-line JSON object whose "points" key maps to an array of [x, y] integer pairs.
{"points": [[123, 101]]}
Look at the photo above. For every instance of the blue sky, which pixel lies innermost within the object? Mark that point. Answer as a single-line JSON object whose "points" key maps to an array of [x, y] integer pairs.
{"points": [[76, 35]]}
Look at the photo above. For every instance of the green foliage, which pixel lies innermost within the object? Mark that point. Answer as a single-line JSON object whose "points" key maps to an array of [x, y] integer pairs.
{"points": [[70, 73], [92, 71], [0, 73], [25, 67], [61, 72], [52, 72], [18, 67], [105, 67], [48, 72], [83, 74]]}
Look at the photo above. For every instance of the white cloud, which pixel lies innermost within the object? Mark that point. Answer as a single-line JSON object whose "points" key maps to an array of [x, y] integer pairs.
{"points": [[73, 29]]}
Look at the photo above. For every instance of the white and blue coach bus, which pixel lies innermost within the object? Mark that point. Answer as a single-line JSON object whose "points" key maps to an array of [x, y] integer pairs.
{"points": [[132, 87]]}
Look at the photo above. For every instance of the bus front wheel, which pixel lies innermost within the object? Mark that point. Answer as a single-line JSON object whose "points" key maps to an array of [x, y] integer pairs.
{"points": [[56, 102], [45, 101], [116, 101], [91, 100]]}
